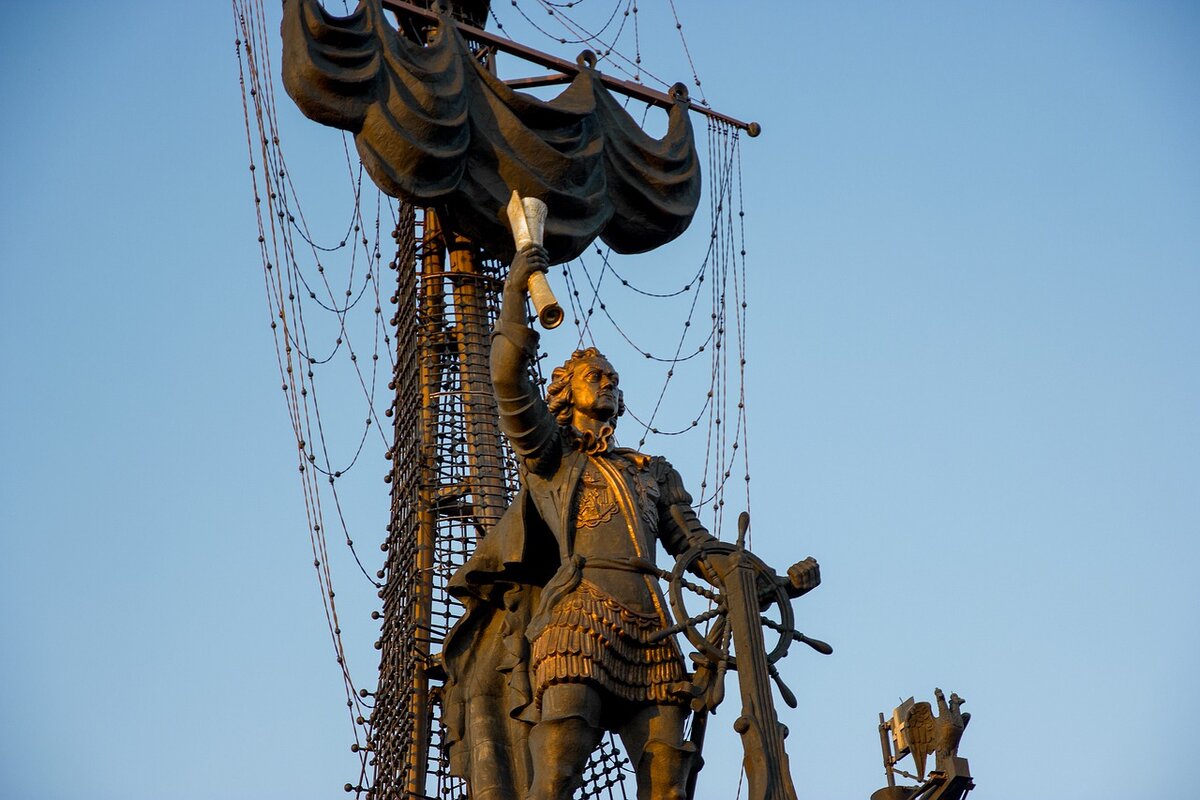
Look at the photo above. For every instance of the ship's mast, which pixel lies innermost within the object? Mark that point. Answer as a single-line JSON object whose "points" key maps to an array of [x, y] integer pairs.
{"points": [[451, 479]]}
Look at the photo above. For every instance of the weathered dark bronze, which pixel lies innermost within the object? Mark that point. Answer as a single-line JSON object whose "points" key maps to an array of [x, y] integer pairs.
{"points": [[567, 632], [436, 128], [913, 730], [472, 28]]}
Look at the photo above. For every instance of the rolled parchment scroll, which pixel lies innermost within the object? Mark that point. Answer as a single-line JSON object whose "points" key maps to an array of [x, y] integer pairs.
{"points": [[527, 217]]}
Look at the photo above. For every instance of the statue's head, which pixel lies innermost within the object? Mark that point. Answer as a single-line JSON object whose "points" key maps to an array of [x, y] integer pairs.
{"points": [[587, 384]]}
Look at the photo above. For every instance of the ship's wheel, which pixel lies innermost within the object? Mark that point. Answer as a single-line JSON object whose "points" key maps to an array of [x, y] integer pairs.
{"points": [[708, 630], [701, 608]]}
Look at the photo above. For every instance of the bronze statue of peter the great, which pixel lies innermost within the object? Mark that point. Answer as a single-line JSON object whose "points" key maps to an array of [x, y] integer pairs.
{"points": [[558, 643]]}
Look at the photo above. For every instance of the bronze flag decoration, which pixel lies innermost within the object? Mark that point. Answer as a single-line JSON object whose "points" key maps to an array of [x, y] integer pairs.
{"points": [[435, 128]]}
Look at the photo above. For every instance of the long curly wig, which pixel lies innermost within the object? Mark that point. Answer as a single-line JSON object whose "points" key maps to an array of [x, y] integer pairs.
{"points": [[558, 393]]}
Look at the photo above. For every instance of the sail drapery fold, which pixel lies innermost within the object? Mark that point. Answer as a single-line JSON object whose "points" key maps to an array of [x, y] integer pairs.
{"points": [[435, 128]]}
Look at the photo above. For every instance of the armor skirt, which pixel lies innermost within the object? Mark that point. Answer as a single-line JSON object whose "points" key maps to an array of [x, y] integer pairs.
{"points": [[591, 638]]}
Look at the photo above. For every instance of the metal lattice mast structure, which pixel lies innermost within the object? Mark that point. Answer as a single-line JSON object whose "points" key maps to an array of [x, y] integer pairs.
{"points": [[451, 478]]}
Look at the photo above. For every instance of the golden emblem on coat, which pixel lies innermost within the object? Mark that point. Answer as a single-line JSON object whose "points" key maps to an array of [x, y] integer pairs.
{"points": [[596, 504]]}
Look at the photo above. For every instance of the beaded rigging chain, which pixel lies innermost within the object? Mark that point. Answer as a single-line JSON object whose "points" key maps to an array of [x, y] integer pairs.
{"points": [[724, 263], [286, 283], [585, 37], [607, 49]]}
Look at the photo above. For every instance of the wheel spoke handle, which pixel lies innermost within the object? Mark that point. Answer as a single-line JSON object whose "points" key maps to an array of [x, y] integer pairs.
{"points": [[687, 623], [816, 644], [784, 691]]}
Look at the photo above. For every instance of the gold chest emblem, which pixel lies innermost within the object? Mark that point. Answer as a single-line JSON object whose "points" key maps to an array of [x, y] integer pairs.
{"points": [[596, 504]]}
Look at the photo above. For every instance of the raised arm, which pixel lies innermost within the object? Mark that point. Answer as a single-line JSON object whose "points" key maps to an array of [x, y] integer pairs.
{"points": [[524, 417]]}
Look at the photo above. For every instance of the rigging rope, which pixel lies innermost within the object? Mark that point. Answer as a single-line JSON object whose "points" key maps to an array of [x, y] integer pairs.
{"points": [[280, 221], [724, 266]]}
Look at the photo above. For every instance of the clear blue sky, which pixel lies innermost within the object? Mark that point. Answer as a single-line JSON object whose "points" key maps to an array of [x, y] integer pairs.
{"points": [[974, 386]]}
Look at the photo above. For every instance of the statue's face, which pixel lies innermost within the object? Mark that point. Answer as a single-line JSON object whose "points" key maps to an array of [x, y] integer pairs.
{"points": [[594, 391]]}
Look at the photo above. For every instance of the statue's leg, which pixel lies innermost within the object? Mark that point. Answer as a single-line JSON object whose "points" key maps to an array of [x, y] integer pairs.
{"points": [[560, 743], [653, 739]]}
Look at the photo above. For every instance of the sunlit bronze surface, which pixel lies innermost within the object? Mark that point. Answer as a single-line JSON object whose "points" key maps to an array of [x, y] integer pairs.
{"points": [[914, 730], [567, 633], [435, 128], [559, 642]]}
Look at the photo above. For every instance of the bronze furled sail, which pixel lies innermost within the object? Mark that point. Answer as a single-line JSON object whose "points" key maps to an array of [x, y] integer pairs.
{"points": [[435, 128]]}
